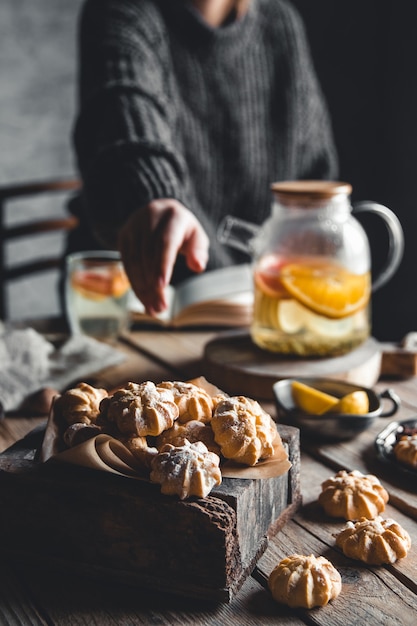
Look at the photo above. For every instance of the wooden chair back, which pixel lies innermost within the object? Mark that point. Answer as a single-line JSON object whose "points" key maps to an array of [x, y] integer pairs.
{"points": [[31, 226]]}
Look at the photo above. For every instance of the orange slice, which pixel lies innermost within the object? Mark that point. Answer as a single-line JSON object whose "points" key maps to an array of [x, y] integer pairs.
{"points": [[326, 288], [97, 286], [120, 283]]}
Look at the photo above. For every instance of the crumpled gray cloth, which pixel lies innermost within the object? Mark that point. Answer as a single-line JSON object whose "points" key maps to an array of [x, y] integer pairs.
{"points": [[28, 363]]}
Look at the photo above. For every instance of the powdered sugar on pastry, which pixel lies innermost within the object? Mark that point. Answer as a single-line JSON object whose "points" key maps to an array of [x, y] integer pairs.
{"points": [[188, 470], [141, 409], [194, 403], [375, 541], [192, 431], [244, 432]]}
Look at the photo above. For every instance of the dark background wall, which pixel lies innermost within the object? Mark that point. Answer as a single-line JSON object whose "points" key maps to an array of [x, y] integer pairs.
{"points": [[365, 53], [37, 106], [37, 96]]}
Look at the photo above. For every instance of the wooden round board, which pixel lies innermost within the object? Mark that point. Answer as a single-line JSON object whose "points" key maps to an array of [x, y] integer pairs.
{"points": [[236, 365]]}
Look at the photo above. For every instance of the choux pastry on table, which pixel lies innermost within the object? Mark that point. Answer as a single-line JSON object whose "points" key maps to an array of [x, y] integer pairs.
{"points": [[304, 581], [353, 495]]}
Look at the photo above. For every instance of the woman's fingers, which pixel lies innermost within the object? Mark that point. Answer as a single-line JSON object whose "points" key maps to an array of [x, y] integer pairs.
{"points": [[196, 249], [182, 234], [150, 242]]}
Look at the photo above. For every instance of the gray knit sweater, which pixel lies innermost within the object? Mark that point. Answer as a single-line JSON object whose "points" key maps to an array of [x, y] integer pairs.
{"points": [[172, 108]]}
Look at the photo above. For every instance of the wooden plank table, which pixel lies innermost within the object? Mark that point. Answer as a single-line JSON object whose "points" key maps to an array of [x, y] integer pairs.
{"points": [[370, 595]]}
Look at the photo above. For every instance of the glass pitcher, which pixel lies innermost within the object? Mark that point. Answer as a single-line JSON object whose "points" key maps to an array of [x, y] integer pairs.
{"points": [[312, 268]]}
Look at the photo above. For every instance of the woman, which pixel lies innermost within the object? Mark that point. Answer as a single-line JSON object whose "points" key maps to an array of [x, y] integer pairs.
{"points": [[188, 111]]}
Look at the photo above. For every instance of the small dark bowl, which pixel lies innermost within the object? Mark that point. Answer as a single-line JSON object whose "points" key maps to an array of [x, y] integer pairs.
{"points": [[331, 426]]}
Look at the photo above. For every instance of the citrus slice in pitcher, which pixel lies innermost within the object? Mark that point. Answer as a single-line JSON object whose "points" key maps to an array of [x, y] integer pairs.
{"points": [[268, 277], [326, 288], [291, 316]]}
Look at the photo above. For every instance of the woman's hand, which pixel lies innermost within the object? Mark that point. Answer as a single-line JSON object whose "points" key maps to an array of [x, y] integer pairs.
{"points": [[149, 243]]}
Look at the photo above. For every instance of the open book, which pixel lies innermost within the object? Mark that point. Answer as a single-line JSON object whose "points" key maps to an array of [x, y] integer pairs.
{"points": [[222, 297]]}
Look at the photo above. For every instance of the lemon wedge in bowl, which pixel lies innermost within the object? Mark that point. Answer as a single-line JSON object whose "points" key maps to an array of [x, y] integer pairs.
{"points": [[355, 403], [316, 402], [340, 411], [312, 400]]}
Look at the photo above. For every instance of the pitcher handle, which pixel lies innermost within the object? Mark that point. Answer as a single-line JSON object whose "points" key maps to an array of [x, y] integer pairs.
{"points": [[237, 233], [396, 239]]}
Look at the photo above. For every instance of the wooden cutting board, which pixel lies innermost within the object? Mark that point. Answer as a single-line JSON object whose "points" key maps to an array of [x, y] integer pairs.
{"points": [[234, 363]]}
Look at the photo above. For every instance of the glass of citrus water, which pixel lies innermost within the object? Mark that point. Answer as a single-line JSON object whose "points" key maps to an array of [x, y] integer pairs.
{"points": [[309, 306], [97, 292]]}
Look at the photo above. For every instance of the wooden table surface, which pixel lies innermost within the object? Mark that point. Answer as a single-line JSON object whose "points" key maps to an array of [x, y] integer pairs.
{"points": [[370, 595]]}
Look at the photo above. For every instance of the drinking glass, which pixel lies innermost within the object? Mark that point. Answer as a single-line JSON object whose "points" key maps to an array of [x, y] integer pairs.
{"points": [[97, 293]]}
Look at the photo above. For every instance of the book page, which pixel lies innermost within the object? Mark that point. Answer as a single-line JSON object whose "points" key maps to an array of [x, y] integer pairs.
{"points": [[225, 283], [234, 311], [218, 297], [138, 310]]}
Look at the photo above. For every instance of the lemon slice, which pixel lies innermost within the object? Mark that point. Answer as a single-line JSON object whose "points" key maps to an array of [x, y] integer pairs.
{"points": [[273, 313], [261, 309], [355, 403], [312, 400], [292, 317], [330, 327]]}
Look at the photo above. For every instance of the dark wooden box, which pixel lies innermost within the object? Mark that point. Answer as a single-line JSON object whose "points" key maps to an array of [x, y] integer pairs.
{"points": [[97, 524]]}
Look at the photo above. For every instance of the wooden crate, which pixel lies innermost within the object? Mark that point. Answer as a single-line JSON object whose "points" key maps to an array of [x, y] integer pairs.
{"points": [[101, 525]]}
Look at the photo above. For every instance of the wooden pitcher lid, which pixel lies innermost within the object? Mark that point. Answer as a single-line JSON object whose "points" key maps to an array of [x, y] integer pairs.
{"points": [[310, 190]]}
